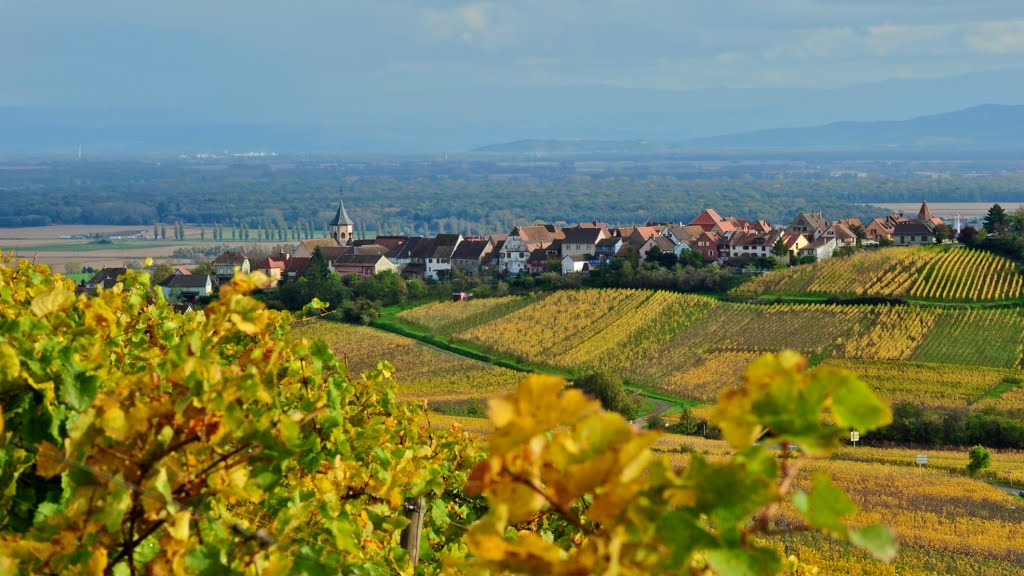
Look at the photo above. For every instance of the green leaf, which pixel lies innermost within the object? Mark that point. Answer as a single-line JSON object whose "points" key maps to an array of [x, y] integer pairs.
{"points": [[878, 540], [854, 404], [825, 506], [743, 561]]}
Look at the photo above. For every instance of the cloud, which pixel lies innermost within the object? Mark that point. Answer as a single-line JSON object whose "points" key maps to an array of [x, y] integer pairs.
{"points": [[997, 38], [889, 38], [466, 23]]}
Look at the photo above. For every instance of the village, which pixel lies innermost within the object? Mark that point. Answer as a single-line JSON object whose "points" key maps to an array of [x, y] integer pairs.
{"points": [[536, 249]]}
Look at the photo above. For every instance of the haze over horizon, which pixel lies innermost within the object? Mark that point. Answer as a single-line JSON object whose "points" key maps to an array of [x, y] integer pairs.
{"points": [[400, 75]]}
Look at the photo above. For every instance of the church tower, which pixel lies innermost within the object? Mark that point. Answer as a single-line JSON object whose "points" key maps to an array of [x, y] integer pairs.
{"points": [[342, 228]]}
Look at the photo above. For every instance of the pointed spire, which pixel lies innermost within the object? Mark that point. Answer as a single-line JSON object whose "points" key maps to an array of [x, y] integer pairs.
{"points": [[925, 214], [341, 218]]}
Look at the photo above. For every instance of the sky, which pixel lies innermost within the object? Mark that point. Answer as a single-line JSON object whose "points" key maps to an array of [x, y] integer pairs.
{"points": [[352, 63]]}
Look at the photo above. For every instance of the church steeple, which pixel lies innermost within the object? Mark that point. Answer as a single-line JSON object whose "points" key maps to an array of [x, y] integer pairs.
{"points": [[342, 228]]}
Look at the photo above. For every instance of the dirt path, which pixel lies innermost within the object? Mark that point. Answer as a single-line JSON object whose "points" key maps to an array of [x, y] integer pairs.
{"points": [[660, 407]]}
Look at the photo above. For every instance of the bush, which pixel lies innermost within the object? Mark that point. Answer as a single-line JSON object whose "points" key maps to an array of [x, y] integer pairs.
{"points": [[980, 459], [611, 392]]}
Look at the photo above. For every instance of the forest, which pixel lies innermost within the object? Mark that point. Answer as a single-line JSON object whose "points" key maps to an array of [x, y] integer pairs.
{"points": [[416, 196]]}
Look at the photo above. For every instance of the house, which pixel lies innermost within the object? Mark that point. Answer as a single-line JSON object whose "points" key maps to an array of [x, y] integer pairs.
{"points": [[521, 243], [883, 228], [104, 279], [537, 263], [306, 247], [575, 263], [794, 243], [436, 255], [707, 220], [912, 234], [296, 267], [607, 249], [640, 235], [273, 267], [663, 243], [821, 249], [227, 263], [582, 240], [843, 235], [186, 287], [389, 242], [363, 265], [751, 244], [707, 245], [471, 254], [682, 234], [807, 223]]}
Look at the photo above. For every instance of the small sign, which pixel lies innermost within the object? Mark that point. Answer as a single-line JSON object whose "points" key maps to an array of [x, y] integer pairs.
{"points": [[922, 459], [854, 436]]}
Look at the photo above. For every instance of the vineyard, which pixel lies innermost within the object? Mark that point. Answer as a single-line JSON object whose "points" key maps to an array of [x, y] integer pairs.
{"points": [[446, 318], [947, 523], [941, 273], [441, 379], [694, 346], [933, 385]]}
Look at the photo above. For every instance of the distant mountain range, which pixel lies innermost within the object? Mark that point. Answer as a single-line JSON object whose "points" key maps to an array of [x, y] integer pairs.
{"points": [[599, 119], [986, 126], [977, 128]]}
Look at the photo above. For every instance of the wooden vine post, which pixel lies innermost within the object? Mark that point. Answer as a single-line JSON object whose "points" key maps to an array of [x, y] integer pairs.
{"points": [[415, 508]]}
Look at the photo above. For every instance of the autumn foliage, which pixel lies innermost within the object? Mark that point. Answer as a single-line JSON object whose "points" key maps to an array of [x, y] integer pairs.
{"points": [[136, 439]]}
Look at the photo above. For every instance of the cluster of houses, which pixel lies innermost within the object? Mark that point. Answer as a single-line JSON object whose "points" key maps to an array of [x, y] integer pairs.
{"points": [[536, 249]]}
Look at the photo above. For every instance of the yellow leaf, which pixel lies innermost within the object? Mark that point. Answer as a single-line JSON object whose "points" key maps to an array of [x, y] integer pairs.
{"points": [[52, 301], [10, 365], [114, 422], [97, 562], [178, 526]]}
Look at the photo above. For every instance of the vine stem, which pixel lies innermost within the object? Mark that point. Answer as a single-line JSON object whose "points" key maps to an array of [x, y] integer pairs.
{"points": [[562, 510]]}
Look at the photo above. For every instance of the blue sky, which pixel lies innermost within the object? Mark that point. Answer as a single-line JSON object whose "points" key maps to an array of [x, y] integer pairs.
{"points": [[325, 61]]}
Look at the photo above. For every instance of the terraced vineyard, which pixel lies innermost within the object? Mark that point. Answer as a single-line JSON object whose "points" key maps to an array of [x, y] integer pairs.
{"points": [[445, 381], [941, 273], [694, 346]]}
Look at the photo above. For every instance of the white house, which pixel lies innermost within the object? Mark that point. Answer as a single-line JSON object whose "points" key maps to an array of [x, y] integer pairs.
{"points": [[575, 263], [582, 241], [521, 243], [437, 255], [822, 248]]}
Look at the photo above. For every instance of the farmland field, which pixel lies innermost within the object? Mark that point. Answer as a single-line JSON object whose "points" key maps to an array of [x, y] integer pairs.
{"points": [[445, 381], [939, 273], [45, 245]]}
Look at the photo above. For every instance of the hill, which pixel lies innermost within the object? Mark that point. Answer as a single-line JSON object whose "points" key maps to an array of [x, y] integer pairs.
{"points": [[692, 346], [938, 273], [987, 126]]}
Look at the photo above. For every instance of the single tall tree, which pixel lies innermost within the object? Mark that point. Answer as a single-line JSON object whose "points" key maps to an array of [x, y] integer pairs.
{"points": [[996, 220]]}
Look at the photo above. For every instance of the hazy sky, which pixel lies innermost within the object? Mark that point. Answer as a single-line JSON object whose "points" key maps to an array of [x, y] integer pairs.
{"points": [[413, 74], [308, 58]]}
